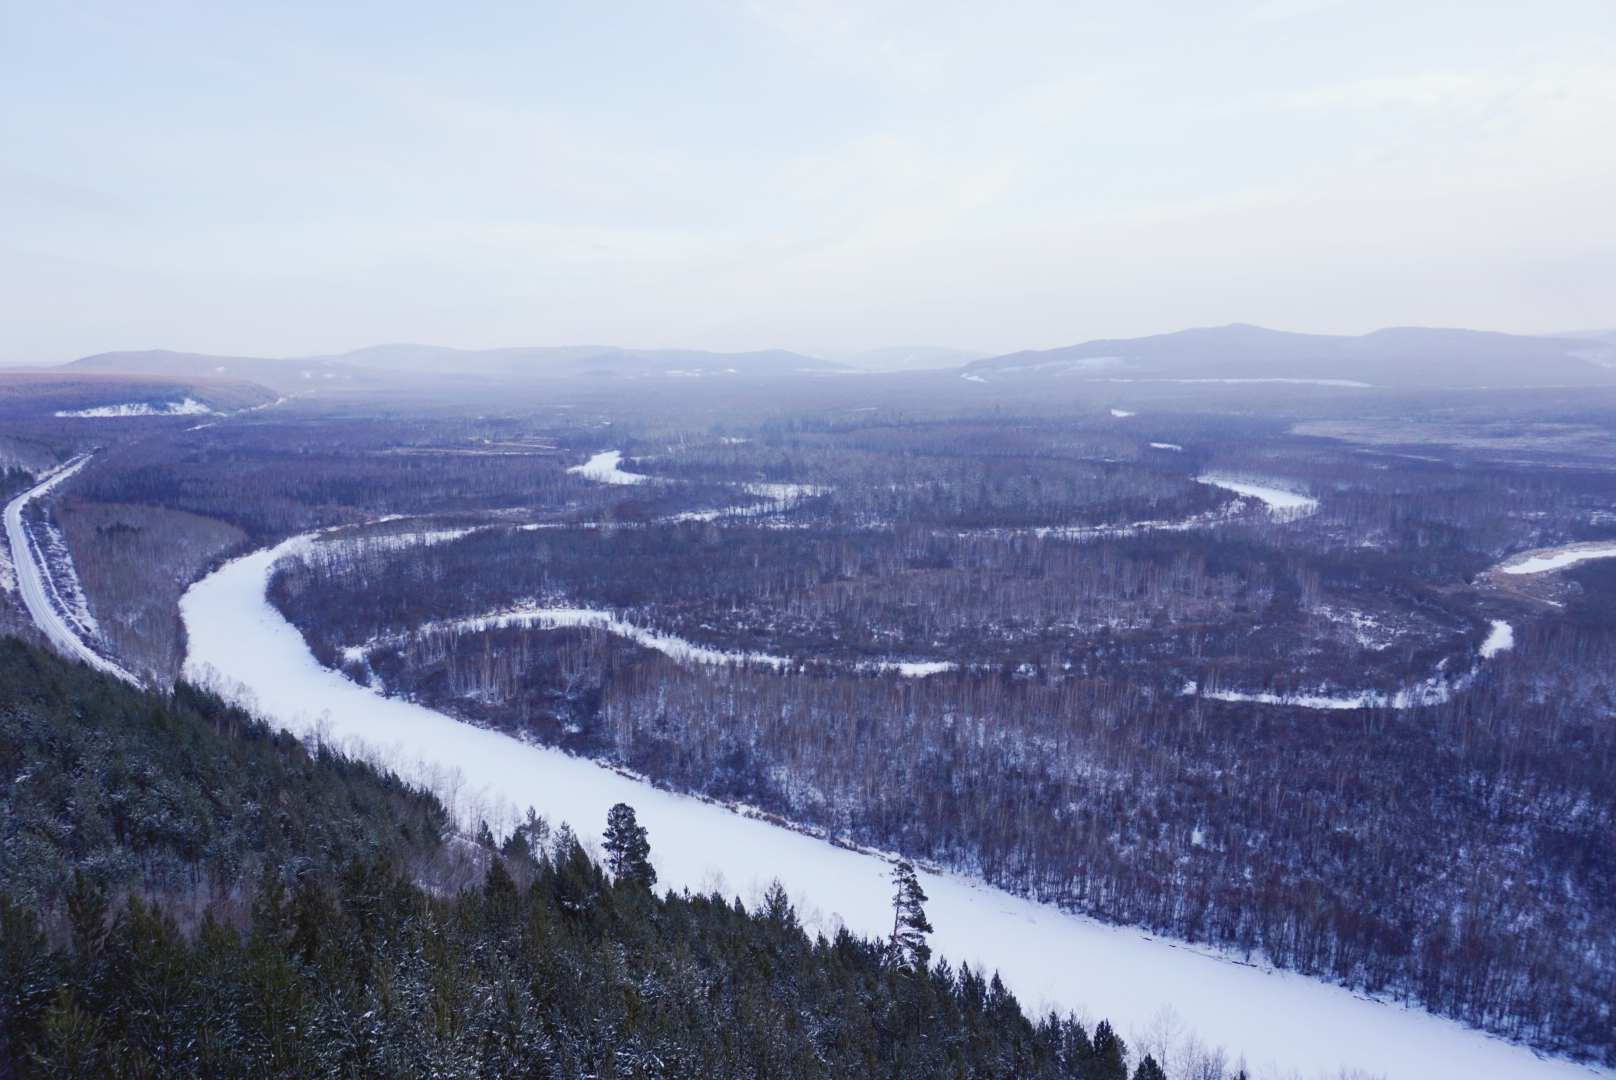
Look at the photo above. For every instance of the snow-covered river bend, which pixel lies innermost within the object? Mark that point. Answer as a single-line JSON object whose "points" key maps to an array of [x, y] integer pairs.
{"points": [[1282, 1024]]}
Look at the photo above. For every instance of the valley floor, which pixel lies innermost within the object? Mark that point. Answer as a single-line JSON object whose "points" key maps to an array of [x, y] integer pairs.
{"points": [[1155, 990]]}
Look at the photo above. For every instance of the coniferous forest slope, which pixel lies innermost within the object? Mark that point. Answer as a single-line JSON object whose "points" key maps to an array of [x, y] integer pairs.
{"points": [[1234, 664], [183, 893]]}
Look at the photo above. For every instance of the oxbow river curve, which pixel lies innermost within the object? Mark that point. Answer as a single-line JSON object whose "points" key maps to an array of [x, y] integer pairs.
{"points": [[1280, 1023]]}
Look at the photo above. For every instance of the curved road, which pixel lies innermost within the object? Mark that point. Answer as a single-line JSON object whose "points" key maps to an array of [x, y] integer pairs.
{"points": [[33, 577]]}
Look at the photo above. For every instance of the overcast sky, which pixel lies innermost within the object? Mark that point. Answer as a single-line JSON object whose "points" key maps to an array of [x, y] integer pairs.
{"points": [[301, 178]]}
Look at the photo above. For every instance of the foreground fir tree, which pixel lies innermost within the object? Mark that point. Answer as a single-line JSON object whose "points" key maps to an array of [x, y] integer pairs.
{"points": [[627, 849], [908, 947]]}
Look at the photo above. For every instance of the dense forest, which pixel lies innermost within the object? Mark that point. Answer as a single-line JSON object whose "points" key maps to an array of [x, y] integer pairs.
{"points": [[1090, 606], [1061, 756], [184, 893]]}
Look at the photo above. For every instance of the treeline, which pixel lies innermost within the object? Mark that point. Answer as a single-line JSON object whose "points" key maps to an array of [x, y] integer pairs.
{"points": [[571, 976], [339, 962]]}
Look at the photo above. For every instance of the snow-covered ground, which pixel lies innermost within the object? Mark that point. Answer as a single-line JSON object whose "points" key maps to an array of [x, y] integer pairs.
{"points": [[57, 607], [603, 467], [1436, 690], [1282, 1024], [1431, 692], [187, 407], [1500, 639], [1165, 446], [669, 645], [785, 493], [1559, 558], [1277, 499]]}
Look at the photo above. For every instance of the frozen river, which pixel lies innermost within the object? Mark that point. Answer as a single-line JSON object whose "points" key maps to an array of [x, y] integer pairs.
{"points": [[1541, 562], [1282, 1024]]}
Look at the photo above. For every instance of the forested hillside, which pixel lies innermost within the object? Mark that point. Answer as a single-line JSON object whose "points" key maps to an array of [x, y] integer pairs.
{"points": [[186, 894]]}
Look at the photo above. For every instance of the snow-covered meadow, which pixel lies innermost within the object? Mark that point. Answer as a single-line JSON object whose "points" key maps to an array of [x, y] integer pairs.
{"points": [[1281, 1024], [1278, 500], [604, 468]]}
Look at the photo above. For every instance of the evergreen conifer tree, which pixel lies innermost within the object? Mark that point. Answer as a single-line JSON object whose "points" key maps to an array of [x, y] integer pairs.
{"points": [[909, 926], [627, 851], [1149, 1070], [1110, 1060]]}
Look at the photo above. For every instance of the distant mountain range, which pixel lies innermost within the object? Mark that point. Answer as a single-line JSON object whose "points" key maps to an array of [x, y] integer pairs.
{"points": [[1401, 357], [383, 364], [1405, 357]]}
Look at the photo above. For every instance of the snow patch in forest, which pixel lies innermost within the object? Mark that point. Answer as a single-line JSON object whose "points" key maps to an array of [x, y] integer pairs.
{"points": [[1165, 446], [1278, 500], [784, 493], [1122, 413], [913, 670], [349, 546], [1283, 1023], [603, 467], [1559, 559], [1137, 528], [187, 407], [1500, 639], [1368, 631], [674, 647], [8, 571], [1436, 690]]}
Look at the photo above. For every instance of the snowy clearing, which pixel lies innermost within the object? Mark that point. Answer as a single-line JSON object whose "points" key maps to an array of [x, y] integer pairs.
{"points": [[1277, 499], [783, 493], [603, 467], [1165, 446], [1501, 639], [1122, 413], [1559, 558], [1282, 1023], [188, 407]]}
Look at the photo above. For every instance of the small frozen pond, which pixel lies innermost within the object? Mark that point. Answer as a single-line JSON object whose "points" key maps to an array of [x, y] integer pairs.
{"points": [[1282, 1023], [603, 467], [1275, 498]]}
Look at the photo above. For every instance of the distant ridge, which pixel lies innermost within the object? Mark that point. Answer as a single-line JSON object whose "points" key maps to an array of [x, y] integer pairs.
{"points": [[380, 364], [1401, 357], [1397, 357]]}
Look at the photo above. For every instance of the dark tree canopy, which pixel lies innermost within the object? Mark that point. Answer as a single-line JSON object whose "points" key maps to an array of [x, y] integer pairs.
{"points": [[628, 853]]}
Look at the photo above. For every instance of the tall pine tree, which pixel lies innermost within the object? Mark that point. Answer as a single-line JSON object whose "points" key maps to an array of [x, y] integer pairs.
{"points": [[909, 926], [627, 850]]}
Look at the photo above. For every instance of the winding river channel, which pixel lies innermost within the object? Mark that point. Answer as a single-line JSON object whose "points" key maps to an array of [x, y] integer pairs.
{"points": [[1280, 1023]]}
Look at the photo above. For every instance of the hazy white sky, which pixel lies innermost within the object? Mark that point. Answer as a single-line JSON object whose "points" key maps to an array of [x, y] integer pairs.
{"points": [[295, 178]]}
